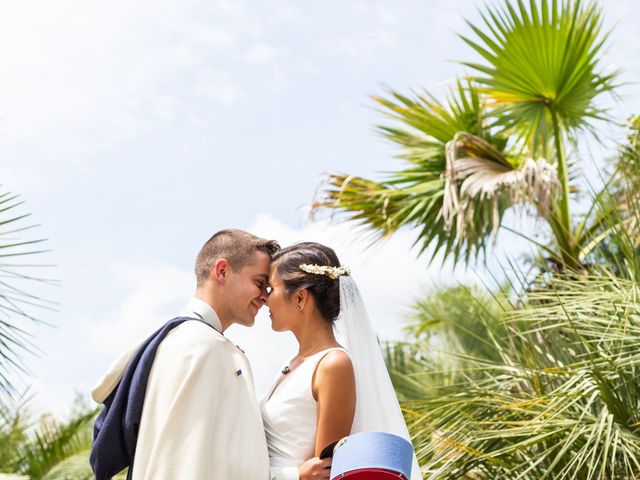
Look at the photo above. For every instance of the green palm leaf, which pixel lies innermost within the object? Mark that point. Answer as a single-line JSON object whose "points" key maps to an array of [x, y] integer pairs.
{"points": [[75, 467], [497, 141], [48, 449], [417, 195], [446, 327], [610, 232], [17, 302], [541, 79], [14, 426], [559, 403], [541, 60], [53, 443]]}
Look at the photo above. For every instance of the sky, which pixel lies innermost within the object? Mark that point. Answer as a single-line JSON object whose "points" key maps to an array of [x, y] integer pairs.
{"points": [[135, 130]]}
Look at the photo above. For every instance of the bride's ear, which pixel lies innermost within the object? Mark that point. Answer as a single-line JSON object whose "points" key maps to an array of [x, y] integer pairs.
{"points": [[301, 298]]}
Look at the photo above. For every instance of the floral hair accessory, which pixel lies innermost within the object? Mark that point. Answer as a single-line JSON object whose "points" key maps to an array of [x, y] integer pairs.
{"points": [[331, 272]]}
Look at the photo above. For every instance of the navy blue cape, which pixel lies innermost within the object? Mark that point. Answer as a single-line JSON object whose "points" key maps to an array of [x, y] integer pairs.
{"points": [[115, 431]]}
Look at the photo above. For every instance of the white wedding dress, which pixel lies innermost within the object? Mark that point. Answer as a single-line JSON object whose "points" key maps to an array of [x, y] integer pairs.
{"points": [[289, 414], [289, 411]]}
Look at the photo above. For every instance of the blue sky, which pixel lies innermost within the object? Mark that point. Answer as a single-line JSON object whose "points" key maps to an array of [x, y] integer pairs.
{"points": [[134, 130]]}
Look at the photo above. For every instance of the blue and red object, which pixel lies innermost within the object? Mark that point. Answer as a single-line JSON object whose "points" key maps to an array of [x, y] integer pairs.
{"points": [[372, 456]]}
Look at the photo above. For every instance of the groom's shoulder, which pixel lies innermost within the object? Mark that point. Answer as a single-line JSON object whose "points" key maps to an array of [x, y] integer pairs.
{"points": [[194, 334], [194, 342]]}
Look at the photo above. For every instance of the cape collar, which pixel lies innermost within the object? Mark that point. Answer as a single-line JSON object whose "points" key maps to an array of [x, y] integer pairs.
{"points": [[202, 310]]}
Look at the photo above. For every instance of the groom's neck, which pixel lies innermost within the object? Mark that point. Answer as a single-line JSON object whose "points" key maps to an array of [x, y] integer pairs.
{"points": [[209, 297]]}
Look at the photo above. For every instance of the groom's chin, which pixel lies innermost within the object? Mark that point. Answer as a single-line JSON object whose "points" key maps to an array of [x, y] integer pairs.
{"points": [[248, 322]]}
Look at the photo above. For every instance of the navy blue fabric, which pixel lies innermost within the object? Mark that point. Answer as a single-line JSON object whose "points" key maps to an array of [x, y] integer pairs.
{"points": [[115, 431]]}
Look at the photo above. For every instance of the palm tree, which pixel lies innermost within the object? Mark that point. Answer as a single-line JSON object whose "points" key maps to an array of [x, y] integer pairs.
{"points": [[447, 327], [560, 402], [17, 281], [542, 382], [611, 227], [499, 140], [539, 383], [47, 449]]}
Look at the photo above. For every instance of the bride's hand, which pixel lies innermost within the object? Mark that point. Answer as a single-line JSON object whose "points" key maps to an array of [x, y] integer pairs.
{"points": [[314, 468]]}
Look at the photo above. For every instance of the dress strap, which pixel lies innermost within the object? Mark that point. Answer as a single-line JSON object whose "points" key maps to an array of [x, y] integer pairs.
{"points": [[324, 354]]}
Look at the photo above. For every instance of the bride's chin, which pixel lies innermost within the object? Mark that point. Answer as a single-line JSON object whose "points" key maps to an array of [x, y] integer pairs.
{"points": [[275, 328]]}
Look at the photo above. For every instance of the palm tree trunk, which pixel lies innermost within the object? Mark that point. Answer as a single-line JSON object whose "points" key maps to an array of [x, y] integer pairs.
{"points": [[562, 227]]}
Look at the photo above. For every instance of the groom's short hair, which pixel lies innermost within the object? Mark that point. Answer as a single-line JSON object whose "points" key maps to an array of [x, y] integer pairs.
{"points": [[236, 246]]}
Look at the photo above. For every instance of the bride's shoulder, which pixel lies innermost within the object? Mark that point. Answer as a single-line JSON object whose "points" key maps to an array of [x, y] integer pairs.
{"points": [[333, 365], [334, 373], [335, 359]]}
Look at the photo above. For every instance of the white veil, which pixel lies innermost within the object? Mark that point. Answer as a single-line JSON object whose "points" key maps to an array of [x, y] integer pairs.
{"points": [[377, 407]]}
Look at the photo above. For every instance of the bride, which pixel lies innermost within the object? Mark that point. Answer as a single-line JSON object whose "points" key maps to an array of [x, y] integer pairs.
{"points": [[337, 384]]}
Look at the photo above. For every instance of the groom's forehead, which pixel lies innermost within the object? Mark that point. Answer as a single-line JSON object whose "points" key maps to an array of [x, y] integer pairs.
{"points": [[259, 263]]}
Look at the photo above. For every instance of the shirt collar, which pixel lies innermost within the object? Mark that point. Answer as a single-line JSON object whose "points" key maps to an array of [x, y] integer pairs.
{"points": [[202, 310]]}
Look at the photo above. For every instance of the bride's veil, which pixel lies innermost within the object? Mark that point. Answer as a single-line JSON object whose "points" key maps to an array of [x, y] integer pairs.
{"points": [[377, 407]]}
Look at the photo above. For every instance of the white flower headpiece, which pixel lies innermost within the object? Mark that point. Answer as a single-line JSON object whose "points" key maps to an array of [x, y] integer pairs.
{"points": [[331, 272]]}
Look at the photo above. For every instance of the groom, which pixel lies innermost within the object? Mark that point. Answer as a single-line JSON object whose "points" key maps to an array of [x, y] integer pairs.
{"points": [[183, 401]]}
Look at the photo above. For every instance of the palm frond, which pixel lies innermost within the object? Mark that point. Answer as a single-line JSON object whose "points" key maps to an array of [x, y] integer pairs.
{"points": [[75, 467], [541, 58], [415, 195], [53, 444], [18, 279], [14, 426], [610, 232], [561, 403], [44, 449], [477, 175], [446, 327]]}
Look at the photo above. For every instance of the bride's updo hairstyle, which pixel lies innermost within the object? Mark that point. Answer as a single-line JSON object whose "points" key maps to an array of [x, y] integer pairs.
{"points": [[324, 290]]}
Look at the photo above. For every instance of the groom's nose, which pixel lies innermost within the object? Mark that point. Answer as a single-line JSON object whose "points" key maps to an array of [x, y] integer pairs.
{"points": [[263, 298]]}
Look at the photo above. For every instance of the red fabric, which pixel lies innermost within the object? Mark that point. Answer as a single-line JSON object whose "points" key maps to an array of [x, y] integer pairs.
{"points": [[370, 474]]}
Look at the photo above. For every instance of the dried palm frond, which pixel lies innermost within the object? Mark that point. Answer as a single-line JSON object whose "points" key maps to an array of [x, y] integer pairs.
{"points": [[477, 172]]}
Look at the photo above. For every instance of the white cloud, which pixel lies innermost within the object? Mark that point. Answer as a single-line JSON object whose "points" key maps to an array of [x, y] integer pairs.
{"points": [[364, 47], [388, 14], [231, 8], [288, 10], [389, 277], [80, 80], [220, 86], [90, 337], [156, 291], [261, 53], [205, 35]]}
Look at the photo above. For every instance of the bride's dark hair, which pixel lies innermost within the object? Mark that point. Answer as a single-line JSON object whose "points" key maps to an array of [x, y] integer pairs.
{"points": [[325, 291]]}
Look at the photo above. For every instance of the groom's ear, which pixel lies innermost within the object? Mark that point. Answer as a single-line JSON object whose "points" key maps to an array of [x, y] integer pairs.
{"points": [[220, 271]]}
